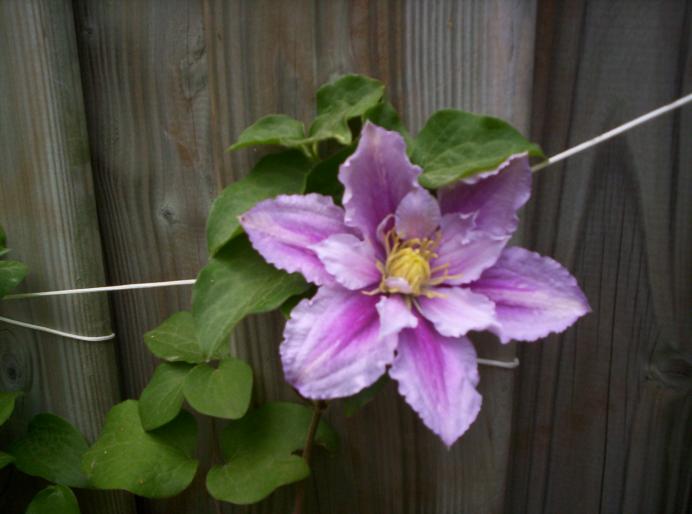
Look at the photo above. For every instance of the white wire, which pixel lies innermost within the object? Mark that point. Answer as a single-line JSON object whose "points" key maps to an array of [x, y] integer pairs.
{"points": [[613, 132], [103, 289], [485, 362], [499, 364], [91, 339]]}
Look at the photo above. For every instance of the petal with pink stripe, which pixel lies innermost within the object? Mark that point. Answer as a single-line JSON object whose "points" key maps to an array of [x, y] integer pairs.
{"points": [[438, 376]]}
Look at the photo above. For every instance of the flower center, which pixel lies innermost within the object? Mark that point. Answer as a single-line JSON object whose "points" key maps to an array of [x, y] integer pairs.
{"points": [[410, 264]]}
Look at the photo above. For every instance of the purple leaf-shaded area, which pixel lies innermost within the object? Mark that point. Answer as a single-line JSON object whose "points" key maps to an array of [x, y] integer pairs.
{"points": [[495, 197], [350, 260], [418, 215], [438, 376], [283, 230], [334, 344], [466, 250], [455, 310], [533, 295], [376, 178]]}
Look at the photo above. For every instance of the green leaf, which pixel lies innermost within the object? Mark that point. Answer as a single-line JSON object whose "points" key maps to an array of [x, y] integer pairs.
{"points": [[348, 97], [385, 115], [162, 398], [175, 340], [454, 145], [282, 173], [275, 129], [11, 274], [5, 459], [223, 392], [235, 283], [7, 400], [354, 403], [3, 242], [54, 499], [260, 449], [289, 304], [153, 464], [52, 449], [324, 177]]}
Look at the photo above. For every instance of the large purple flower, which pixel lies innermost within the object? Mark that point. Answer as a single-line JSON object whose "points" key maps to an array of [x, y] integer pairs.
{"points": [[404, 277]]}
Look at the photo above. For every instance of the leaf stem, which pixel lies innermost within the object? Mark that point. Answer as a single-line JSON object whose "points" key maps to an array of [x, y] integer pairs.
{"points": [[318, 407]]}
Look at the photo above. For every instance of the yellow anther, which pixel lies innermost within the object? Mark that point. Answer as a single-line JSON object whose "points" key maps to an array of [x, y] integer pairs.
{"points": [[409, 264]]}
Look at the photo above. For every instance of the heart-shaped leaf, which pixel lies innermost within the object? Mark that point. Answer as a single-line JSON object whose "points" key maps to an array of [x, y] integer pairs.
{"points": [[455, 145], [155, 464], [7, 400], [52, 449], [275, 129], [175, 340], [11, 275], [348, 97], [237, 282], [5, 459], [54, 499], [162, 398], [281, 173], [324, 177], [260, 449], [222, 392]]}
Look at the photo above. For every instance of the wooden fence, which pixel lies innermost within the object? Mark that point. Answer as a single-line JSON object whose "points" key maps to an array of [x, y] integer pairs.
{"points": [[113, 120]]}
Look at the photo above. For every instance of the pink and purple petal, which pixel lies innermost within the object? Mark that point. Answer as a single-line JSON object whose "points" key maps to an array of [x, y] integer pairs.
{"points": [[455, 310], [333, 344], [418, 215], [496, 196], [395, 315], [351, 261], [376, 178], [533, 295], [284, 229], [465, 250], [438, 376]]}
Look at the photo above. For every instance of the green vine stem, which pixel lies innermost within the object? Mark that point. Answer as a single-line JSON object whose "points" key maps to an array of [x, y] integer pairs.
{"points": [[318, 407]]}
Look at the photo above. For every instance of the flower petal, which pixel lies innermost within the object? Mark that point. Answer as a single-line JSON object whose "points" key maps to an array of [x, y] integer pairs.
{"points": [[465, 250], [395, 315], [376, 178], [438, 377], [283, 230], [457, 310], [334, 344], [418, 215], [349, 260], [533, 295], [495, 196]]}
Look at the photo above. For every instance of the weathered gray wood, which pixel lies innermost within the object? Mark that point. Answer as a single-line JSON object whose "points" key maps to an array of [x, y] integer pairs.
{"points": [[47, 206], [145, 82], [160, 117], [604, 412], [170, 84]]}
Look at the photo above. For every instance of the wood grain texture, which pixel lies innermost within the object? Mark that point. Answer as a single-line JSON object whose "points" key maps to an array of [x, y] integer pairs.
{"points": [[604, 412], [47, 206], [599, 418], [145, 80]]}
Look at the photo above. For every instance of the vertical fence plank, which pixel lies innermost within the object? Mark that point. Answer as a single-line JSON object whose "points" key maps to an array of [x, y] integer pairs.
{"points": [[145, 76], [48, 209], [604, 411]]}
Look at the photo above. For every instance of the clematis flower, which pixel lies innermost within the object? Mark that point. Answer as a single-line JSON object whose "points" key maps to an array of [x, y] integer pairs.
{"points": [[404, 276]]}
